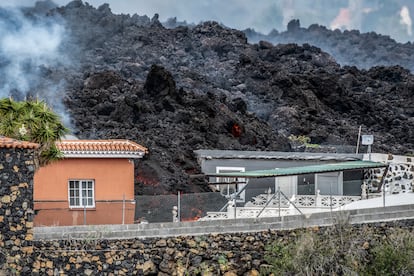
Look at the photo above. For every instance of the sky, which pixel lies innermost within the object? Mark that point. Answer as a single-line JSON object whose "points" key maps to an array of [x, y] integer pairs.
{"points": [[387, 17]]}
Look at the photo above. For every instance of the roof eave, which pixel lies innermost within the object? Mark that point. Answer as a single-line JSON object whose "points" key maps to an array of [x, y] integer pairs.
{"points": [[299, 170], [90, 154]]}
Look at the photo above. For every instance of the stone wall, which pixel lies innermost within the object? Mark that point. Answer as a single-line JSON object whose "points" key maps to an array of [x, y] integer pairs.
{"points": [[399, 177], [239, 253], [214, 254], [16, 208]]}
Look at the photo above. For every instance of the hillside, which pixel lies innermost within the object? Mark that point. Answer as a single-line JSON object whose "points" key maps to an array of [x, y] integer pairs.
{"points": [[206, 87]]}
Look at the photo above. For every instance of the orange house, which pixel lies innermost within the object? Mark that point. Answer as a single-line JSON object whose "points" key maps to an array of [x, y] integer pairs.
{"points": [[92, 184]]}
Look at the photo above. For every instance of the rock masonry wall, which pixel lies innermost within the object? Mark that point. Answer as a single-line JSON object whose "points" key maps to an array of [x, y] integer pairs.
{"points": [[192, 255], [16, 209], [399, 177], [214, 254]]}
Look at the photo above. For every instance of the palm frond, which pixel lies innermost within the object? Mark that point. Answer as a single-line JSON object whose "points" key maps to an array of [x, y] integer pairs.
{"points": [[9, 126], [50, 155], [32, 121]]}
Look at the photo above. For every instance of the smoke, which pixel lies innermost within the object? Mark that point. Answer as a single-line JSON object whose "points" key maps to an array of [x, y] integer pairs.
{"points": [[342, 20], [381, 16], [30, 52], [406, 19], [349, 18]]}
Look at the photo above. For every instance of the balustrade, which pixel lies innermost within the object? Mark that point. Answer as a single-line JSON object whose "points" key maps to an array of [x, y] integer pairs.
{"points": [[282, 207]]}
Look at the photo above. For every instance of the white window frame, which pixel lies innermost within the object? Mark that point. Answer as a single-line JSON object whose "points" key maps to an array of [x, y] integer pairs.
{"points": [[239, 186], [78, 193]]}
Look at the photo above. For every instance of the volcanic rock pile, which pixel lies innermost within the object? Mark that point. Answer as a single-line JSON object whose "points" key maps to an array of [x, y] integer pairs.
{"points": [[205, 87], [363, 50]]}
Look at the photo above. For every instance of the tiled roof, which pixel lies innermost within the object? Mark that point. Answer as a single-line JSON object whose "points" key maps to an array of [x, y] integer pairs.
{"points": [[101, 148], [6, 142]]}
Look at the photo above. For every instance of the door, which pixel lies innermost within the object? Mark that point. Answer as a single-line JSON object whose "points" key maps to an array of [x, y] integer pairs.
{"points": [[329, 183], [231, 189], [287, 184]]}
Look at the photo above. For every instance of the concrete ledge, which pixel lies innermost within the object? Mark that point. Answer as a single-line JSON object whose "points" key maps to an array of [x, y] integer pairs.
{"points": [[169, 229]]}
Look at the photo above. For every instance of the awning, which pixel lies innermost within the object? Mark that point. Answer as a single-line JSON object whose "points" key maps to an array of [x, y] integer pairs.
{"points": [[322, 168]]}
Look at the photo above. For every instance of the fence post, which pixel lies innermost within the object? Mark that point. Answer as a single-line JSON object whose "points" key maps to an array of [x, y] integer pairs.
{"points": [[179, 206], [278, 192], [123, 209], [84, 210]]}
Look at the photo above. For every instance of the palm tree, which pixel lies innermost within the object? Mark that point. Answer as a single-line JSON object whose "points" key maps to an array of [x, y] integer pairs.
{"points": [[33, 121]]}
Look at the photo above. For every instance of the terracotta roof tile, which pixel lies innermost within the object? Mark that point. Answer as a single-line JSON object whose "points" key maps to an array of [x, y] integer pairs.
{"points": [[103, 146], [6, 142]]}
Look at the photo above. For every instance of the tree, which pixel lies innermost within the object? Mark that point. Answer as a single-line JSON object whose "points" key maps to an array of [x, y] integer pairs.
{"points": [[33, 121]]}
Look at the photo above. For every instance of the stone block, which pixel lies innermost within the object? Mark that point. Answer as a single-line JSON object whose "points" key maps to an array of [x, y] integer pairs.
{"points": [[149, 267], [109, 260], [161, 243], [23, 185], [36, 265], [27, 249], [49, 264], [6, 199], [14, 188], [29, 224]]}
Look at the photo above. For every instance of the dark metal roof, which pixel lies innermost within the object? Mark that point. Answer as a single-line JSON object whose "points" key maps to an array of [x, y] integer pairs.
{"points": [[239, 154], [333, 167]]}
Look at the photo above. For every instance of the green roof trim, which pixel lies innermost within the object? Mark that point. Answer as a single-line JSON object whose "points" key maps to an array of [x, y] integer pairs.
{"points": [[322, 168]]}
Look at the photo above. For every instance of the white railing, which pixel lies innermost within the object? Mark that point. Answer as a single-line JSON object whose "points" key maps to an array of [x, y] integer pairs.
{"points": [[302, 201], [306, 203], [214, 216]]}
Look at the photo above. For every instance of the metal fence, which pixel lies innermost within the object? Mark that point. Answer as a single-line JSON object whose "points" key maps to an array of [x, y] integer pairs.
{"points": [[193, 206], [180, 207], [189, 207]]}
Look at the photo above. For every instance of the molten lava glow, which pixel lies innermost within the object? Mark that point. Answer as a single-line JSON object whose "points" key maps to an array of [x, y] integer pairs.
{"points": [[342, 20], [196, 214], [236, 130], [147, 181], [406, 19]]}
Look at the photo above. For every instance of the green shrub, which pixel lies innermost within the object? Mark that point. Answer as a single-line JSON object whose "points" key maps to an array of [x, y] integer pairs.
{"points": [[279, 256], [337, 250], [302, 140], [342, 250], [392, 255]]}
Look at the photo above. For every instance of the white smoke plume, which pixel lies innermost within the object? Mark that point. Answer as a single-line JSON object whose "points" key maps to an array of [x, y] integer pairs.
{"points": [[406, 19], [29, 50], [266, 15]]}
